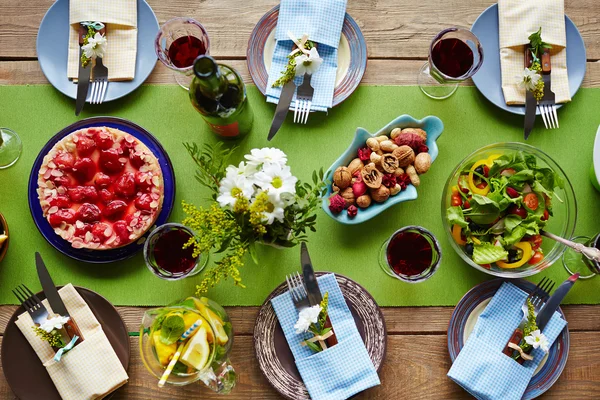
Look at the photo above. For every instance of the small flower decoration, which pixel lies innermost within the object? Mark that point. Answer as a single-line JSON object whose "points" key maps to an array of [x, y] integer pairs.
{"points": [[529, 79], [538, 340], [95, 47], [308, 63], [53, 323], [307, 317]]}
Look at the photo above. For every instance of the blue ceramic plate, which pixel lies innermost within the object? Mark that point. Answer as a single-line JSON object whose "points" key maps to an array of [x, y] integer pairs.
{"points": [[101, 256], [489, 80], [465, 315], [53, 44], [432, 125]]}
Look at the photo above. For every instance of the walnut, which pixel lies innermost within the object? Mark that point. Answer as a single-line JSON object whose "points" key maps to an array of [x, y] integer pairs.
{"points": [[405, 156], [373, 144], [342, 177], [348, 195], [380, 194], [388, 163], [371, 176], [363, 201], [388, 146], [394, 190], [412, 174], [422, 163], [395, 133], [355, 165], [418, 131]]}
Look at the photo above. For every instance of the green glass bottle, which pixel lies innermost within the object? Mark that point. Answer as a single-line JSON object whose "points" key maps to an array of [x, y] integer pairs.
{"points": [[219, 94]]}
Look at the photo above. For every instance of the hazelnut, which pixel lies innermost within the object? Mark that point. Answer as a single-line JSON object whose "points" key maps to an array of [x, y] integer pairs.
{"points": [[388, 145], [395, 133], [394, 190], [398, 172], [418, 131], [388, 163], [342, 177], [422, 163], [371, 176], [363, 201], [375, 158], [380, 194], [381, 138], [405, 156], [412, 174], [355, 165], [373, 144], [348, 196]]}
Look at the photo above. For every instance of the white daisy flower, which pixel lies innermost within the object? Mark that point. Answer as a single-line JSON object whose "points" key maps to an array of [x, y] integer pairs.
{"points": [[308, 64], [242, 169], [275, 211], [538, 339], [96, 46], [233, 186], [306, 317], [276, 179], [53, 323], [529, 79], [266, 155]]}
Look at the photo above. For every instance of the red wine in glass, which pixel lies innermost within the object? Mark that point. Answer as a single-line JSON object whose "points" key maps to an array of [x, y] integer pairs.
{"points": [[184, 50], [409, 253], [170, 255], [452, 57]]}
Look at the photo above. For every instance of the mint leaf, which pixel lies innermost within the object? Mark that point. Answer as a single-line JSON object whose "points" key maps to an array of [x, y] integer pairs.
{"points": [[171, 330], [487, 253]]}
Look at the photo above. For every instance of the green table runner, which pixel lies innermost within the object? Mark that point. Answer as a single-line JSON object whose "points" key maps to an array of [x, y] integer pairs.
{"points": [[38, 112]]}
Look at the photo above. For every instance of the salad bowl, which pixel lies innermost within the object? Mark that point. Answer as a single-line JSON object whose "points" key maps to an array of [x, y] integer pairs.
{"points": [[430, 124], [500, 227]]}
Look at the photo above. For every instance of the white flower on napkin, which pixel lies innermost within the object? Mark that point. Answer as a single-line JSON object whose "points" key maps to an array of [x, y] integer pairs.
{"points": [[537, 339], [308, 63], [95, 47], [529, 80], [306, 317], [54, 323]]}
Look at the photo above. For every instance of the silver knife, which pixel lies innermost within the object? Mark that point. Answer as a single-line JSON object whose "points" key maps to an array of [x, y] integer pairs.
{"points": [[83, 77], [530, 101], [56, 303], [283, 106], [554, 301], [312, 287]]}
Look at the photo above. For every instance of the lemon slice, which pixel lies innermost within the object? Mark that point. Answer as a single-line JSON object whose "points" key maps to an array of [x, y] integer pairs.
{"points": [[196, 352], [164, 352], [3, 239], [215, 321]]}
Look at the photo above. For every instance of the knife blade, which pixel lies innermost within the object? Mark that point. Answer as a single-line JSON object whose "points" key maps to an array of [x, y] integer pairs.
{"points": [[54, 299], [554, 301], [530, 101], [312, 288], [83, 77], [283, 106]]}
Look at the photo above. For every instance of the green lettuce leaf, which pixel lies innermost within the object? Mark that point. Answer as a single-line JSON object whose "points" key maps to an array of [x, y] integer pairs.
{"points": [[456, 217], [515, 236], [511, 221], [484, 210], [487, 253]]}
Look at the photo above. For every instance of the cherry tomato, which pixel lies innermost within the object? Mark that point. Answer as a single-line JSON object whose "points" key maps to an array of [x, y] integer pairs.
{"points": [[466, 204], [536, 258], [512, 193], [520, 211], [486, 171], [545, 216], [456, 200], [454, 189], [531, 201], [536, 241], [482, 185], [486, 266]]}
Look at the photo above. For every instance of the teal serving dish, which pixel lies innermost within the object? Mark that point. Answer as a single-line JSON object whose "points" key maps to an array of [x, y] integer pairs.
{"points": [[430, 124], [595, 170]]}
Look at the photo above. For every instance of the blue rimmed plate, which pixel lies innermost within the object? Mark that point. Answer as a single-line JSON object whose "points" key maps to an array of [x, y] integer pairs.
{"points": [[472, 305], [430, 124], [101, 256], [352, 55]]}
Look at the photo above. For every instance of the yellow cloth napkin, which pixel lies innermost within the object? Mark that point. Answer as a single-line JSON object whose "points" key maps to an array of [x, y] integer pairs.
{"points": [[517, 20], [91, 369], [120, 18]]}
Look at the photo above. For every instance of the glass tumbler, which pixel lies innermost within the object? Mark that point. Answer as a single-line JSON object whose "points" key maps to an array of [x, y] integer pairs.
{"points": [[577, 262], [178, 43], [452, 55], [10, 147]]}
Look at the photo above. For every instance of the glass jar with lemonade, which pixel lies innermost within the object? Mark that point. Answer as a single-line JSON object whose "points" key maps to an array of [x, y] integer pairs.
{"points": [[189, 341]]}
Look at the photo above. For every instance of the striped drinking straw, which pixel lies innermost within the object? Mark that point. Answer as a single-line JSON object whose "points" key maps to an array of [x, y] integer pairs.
{"points": [[186, 334], [190, 330]]}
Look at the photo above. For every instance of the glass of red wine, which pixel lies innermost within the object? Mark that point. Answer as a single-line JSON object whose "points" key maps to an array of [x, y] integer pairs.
{"points": [[178, 43], [455, 55], [412, 254], [165, 256]]}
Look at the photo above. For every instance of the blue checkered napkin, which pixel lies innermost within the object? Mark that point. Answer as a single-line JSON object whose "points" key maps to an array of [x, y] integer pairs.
{"points": [[481, 368], [322, 20], [328, 375]]}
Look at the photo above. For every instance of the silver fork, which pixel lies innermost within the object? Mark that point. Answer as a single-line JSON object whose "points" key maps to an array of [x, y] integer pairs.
{"points": [[547, 106], [99, 82], [297, 291], [31, 303], [303, 100]]}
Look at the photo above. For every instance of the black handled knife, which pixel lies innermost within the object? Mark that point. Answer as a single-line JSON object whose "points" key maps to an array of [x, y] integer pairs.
{"points": [[554, 301], [83, 77], [56, 303], [530, 101], [285, 99]]}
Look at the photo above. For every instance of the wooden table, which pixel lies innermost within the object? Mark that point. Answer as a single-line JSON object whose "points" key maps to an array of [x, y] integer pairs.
{"points": [[397, 33]]}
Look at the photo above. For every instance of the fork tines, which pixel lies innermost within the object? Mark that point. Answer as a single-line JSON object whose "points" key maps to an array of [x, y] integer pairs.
{"points": [[301, 111], [98, 91], [28, 299], [541, 292], [549, 116], [296, 287]]}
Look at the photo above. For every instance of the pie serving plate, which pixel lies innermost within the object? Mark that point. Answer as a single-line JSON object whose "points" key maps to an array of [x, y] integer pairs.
{"points": [[102, 256]]}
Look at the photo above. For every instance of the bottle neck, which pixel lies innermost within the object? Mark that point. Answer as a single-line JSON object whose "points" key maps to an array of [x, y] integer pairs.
{"points": [[208, 76]]}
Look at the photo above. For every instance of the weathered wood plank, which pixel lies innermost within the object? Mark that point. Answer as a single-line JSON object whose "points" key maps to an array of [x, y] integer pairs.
{"points": [[391, 29], [416, 366], [379, 72]]}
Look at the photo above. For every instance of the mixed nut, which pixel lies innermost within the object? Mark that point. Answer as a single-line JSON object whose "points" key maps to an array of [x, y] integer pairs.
{"points": [[383, 168]]}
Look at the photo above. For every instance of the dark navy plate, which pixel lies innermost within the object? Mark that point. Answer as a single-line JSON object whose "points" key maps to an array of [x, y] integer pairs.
{"points": [[489, 79], [101, 256]]}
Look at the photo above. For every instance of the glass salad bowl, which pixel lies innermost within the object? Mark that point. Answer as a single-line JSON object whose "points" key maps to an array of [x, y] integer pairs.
{"points": [[198, 335], [494, 220]]}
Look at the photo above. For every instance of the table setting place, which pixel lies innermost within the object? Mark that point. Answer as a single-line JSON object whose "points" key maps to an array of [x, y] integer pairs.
{"points": [[181, 217]]}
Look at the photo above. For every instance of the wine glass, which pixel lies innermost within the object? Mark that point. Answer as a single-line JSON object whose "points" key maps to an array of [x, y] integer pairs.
{"points": [[10, 147], [574, 261], [178, 43], [455, 55]]}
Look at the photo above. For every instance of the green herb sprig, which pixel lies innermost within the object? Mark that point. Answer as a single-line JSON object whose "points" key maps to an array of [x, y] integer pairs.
{"points": [[290, 70], [319, 329], [530, 326], [85, 60], [53, 338]]}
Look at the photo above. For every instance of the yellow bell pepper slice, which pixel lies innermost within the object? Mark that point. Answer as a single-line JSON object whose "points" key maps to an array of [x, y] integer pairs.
{"points": [[527, 254], [488, 161], [475, 240], [457, 235]]}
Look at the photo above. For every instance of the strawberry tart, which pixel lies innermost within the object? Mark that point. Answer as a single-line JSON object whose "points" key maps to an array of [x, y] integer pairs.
{"points": [[100, 188]]}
